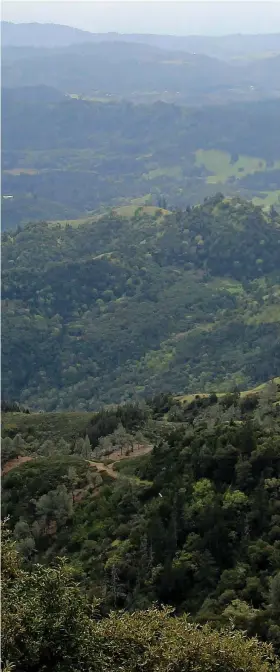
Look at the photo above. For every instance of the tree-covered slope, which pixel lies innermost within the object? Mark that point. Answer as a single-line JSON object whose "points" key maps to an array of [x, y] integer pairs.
{"points": [[118, 308], [48, 624], [65, 158], [193, 521]]}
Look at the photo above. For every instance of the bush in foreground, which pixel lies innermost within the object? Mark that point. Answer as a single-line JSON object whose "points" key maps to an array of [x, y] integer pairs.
{"points": [[48, 626]]}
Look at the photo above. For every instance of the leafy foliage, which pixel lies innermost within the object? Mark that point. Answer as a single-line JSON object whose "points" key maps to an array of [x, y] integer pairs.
{"points": [[194, 523], [122, 308], [47, 625]]}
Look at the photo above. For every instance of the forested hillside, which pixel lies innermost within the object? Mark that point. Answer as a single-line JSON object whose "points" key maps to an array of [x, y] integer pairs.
{"points": [[120, 308], [136, 70], [169, 502], [44, 605], [63, 158]]}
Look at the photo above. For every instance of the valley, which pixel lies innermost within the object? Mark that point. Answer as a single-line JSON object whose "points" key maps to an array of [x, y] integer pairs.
{"points": [[87, 157], [140, 452]]}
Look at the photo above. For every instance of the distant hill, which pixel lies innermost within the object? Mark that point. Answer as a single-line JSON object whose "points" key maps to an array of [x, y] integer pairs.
{"points": [[119, 308], [41, 35], [65, 159], [119, 68], [54, 35], [143, 72], [30, 95]]}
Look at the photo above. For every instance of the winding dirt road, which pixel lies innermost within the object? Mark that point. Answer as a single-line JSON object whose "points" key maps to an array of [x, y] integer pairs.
{"points": [[116, 456]]}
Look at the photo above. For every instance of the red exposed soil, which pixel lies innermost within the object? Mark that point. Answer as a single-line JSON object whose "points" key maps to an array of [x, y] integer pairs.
{"points": [[117, 456], [16, 462]]}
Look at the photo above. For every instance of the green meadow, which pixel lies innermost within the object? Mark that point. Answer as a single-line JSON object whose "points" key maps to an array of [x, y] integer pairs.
{"points": [[222, 168]]}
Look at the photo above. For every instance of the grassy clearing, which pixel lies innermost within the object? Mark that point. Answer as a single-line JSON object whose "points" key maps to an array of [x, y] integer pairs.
{"points": [[267, 198], [173, 171], [259, 388], [255, 56], [45, 426], [268, 315], [219, 164], [254, 390], [130, 210], [126, 211], [226, 285], [93, 99]]}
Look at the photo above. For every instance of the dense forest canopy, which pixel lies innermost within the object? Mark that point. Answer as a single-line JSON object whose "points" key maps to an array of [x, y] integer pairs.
{"points": [[172, 502], [118, 308], [44, 605]]}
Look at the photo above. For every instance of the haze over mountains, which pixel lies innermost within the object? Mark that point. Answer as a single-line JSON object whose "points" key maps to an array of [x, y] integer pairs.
{"points": [[95, 127], [54, 35], [65, 155], [140, 351], [60, 56]]}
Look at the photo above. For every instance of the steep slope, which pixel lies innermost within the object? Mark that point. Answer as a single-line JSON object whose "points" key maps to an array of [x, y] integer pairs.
{"points": [[192, 522], [120, 307]]}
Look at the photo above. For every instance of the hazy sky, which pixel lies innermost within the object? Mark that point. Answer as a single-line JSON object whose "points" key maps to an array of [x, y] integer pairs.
{"points": [[183, 17]]}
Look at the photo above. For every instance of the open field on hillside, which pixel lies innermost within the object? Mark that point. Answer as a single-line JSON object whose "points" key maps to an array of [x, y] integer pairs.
{"points": [[122, 211], [267, 198], [223, 168], [243, 393], [46, 426], [70, 425]]}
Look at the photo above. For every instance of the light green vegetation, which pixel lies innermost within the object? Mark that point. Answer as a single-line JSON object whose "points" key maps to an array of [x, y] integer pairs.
{"points": [[268, 315], [94, 99], [45, 426], [244, 393], [126, 211], [259, 388], [89, 156], [267, 198], [220, 165], [173, 171], [254, 56], [226, 285], [127, 307]]}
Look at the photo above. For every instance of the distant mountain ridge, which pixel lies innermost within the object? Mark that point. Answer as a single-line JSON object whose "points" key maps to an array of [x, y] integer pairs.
{"points": [[41, 35], [54, 35]]}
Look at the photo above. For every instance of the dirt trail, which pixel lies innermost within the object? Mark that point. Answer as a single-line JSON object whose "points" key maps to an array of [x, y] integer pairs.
{"points": [[117, 457], [15, 463]]}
